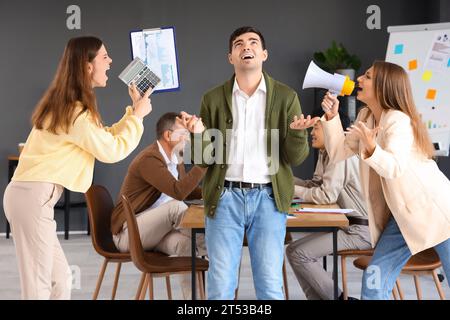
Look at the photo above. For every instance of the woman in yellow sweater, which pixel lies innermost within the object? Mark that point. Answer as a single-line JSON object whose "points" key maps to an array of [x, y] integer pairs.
{"points": [[60, 151]]}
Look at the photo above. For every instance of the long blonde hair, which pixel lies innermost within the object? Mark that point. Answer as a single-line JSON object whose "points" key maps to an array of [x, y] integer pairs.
{"points": [[71, 83], [393, 91]]}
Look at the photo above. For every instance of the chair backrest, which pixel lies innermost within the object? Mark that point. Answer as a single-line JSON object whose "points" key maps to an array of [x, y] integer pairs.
{"points": [[100, 206], [134, 238]]}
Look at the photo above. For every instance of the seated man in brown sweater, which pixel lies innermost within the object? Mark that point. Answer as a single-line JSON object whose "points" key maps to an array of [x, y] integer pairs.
{"points": [[156, 185]]}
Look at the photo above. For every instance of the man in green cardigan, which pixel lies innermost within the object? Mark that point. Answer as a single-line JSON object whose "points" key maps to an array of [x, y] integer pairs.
{"points": [[249, 149]]}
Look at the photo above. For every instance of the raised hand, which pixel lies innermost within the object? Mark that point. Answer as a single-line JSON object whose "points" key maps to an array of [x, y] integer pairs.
{"points": [[330, 105], [134, 93], [301, 123], [366, 136], [142, 106], [191, 122]]}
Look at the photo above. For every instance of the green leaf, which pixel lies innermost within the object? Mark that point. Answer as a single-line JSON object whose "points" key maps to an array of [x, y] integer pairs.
{"points": [[336, 57]]}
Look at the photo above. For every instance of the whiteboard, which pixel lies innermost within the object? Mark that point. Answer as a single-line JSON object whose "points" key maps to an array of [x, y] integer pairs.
{"points": [[424, 52], [157, 48]]}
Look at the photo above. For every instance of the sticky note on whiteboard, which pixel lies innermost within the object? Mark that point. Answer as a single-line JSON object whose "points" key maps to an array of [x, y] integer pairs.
{"points": [[412, 65], [427, 75], [398, 49], [431, 94]]}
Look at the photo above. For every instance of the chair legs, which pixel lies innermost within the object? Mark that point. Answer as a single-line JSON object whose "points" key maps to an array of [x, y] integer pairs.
{"points": [[399, 288], [141, 286], [200, 285], [116, 280], [151, 292], [436, 282], [146, 282], [100, 279], [344, 277], [397, 292], [169, 288], [438, 285], [101, 275], [394, 293], [144, 287], [344, 274], [417, 285]]}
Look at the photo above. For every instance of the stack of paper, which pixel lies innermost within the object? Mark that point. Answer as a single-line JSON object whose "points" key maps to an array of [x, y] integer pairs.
{"points": [[321, 210], [297, 200]]}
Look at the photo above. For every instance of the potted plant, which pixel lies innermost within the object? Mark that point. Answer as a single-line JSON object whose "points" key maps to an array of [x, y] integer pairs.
{"points": [[337, 59]]}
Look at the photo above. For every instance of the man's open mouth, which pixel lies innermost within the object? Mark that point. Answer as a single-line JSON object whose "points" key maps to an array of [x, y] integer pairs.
{"points": [[247, 56]]}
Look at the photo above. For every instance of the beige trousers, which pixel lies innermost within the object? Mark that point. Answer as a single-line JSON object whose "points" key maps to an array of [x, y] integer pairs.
{"points": [[43, 268], [159, 231], [305, 256]]}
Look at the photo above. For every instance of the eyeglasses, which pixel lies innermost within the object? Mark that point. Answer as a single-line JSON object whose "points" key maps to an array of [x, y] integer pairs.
{"points": [[181, 132]]}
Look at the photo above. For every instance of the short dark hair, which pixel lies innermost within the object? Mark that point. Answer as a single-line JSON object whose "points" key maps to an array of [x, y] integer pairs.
{"points": [[236, 33], [165, 123]]}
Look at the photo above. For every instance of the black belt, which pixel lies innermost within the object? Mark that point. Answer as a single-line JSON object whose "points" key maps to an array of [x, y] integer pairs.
{"points": [[245, 185], [359, 221]]}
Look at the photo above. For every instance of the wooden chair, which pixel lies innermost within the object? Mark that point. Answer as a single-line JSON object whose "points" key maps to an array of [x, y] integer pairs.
{"points": [[287, 240], [155, 264], [344, 254], [423, 263], [100, 206]]}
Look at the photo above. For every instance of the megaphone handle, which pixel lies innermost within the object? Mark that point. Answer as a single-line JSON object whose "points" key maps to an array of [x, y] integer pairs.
{"points": [[334, 94]]}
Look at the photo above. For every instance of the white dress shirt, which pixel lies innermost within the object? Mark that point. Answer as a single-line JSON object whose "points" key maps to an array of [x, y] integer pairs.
{"points": [[172, 166], [247, 158]]}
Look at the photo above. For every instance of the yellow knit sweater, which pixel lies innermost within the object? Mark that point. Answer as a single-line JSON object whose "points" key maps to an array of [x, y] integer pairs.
{"points": [[68, 159]]}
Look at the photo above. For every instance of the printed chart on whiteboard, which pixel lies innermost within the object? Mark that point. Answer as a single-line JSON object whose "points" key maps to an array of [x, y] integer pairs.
{"points": [[157, 48]]}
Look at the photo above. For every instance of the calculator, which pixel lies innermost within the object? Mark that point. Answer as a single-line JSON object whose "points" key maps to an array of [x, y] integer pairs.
{"points": [[139, 73]]}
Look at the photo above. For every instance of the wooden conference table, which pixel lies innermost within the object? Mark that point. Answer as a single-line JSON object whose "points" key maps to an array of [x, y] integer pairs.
{"points": [[194, 219]]}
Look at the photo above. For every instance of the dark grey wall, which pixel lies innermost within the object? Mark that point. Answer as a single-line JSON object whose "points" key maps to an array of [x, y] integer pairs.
{"points": [[444, 12], [33, 35]]}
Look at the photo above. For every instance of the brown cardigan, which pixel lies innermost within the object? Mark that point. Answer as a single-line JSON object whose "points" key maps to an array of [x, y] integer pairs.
{"points": [[148, 177]]}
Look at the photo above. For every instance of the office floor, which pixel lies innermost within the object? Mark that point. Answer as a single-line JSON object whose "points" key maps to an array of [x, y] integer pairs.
{"points": [[86, 263]]}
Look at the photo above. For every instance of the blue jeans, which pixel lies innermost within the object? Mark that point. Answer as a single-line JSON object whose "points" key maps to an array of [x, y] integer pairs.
{"points": [[391, 254], [254, 212]]}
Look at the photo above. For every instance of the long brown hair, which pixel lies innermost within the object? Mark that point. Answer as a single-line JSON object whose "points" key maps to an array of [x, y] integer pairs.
{"points": [[393, 91], [71, 83]]}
